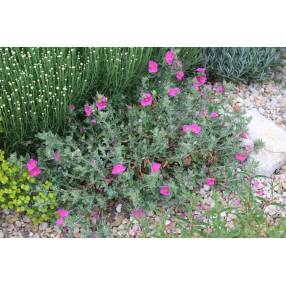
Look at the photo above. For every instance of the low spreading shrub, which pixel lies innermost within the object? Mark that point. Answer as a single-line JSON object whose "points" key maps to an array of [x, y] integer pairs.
{"points": [[181, 135], [22, 192], [240, 64]]}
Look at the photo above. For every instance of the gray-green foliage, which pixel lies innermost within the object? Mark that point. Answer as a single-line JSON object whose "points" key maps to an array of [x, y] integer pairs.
{"points": [[240, 64]]}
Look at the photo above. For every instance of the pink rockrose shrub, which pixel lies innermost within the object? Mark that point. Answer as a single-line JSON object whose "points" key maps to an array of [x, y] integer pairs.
{"points": [[101, 103], [35, 172], [173, 91], [137, 213], [146, 99], [180, 75], [211, 181], [165, 191], [155, 167], [240, 157], [244, 135], [169, 57], [118, 169], [213, 115], [88, 110], [152, 67], [31, 165]]}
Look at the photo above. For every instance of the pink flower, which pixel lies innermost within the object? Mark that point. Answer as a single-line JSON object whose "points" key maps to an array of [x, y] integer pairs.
{"points": [[173, 91], [62, 213], [213, 115], [201, 79], [31, 165], [236, 202], [101, 102], [60, 221], [169, 57], [220, 89], [180, 75], [35, 172], [118, 169], [244, 135], [147, 99], [137, 213], [152, 67], [155, 167], [57, 156], [211, 181], [71, 107], [88, 110], [202, 70], [240, 157], [165, 191], [194, 128], [93, 121]]}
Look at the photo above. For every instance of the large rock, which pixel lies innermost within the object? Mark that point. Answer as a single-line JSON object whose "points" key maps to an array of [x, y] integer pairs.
{"points": [[273, 154]]}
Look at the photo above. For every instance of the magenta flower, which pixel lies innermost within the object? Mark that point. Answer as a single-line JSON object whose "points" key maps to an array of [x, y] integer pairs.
{"points": [[31, 165], [59, 221], [71, 107], [152, 67], [62, 213], [213, 115], [194, 128], [211, 181], [202, 70], [169, 57], [146, 99], [137, 213], [88, 110], [35, 172], [220, 89], [173, 91], [240, 157], [93, 121], [118, 169], [180, 75], [101, 103], [57, 156], [244, 135], [155, 167], [201, 79], [165, 191]]}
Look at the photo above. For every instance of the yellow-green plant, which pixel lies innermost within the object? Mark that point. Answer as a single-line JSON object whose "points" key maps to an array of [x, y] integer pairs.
{"points": [[25, 194]]}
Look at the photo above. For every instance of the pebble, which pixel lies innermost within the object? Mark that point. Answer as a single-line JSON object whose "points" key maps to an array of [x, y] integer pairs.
{"points": [[1, 234], [43, 226], [118, 208]]}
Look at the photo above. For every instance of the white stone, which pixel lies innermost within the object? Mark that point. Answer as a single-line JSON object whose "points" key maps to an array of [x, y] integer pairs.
{"points": [[272, 155], [118, 208]]}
